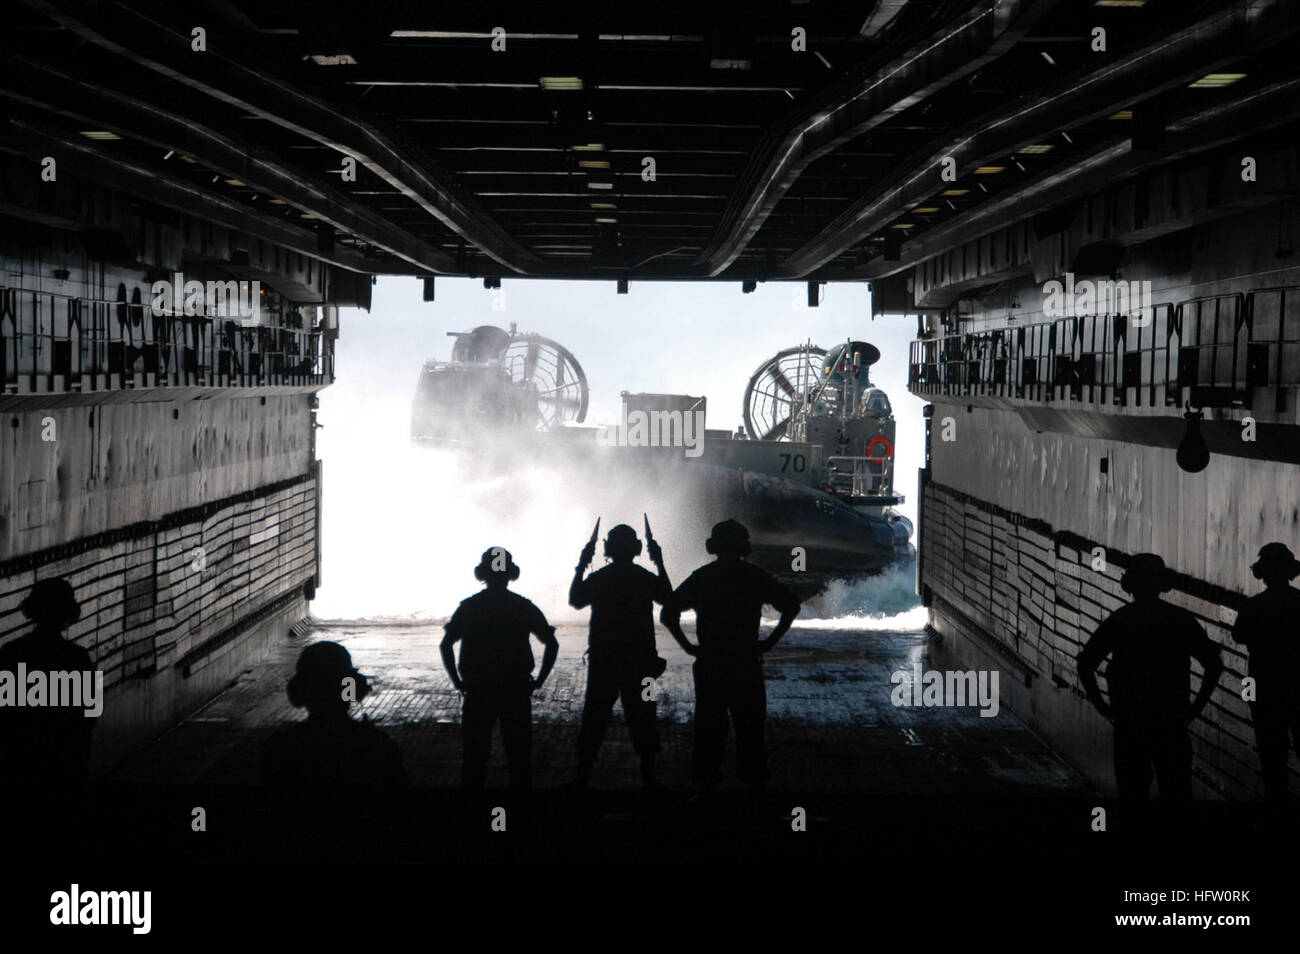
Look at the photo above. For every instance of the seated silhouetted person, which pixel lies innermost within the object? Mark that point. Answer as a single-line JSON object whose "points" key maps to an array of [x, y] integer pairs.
{"points": [[621, 646], [45, 749], [728, 596], [1150, 644], [330, 752], [496, 670], [1269, 626]]}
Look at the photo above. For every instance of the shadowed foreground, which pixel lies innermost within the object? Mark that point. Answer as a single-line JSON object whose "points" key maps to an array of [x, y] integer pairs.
{"points": [[869, 777]]}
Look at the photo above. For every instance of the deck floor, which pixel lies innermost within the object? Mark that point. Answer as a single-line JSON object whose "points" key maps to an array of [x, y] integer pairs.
{"points": [[830, 721]]}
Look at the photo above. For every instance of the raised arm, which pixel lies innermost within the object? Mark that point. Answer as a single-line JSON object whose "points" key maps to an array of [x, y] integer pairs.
{"points": [[664, 586], [578, 595]]}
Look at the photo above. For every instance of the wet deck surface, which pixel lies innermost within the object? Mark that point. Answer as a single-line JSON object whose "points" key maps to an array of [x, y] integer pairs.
{"points": [[831, 724], [873, 781]]}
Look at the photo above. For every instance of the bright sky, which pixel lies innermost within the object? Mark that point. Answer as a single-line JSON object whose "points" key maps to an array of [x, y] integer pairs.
{"points": [[704, 338], [691, 338]]}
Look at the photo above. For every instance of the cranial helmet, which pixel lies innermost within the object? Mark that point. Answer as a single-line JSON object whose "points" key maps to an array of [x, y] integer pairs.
{"points": [[496, 562], [319, 674], [1276, 558], [622, 542], [728, 538], [52, 601], [1146, 573]]}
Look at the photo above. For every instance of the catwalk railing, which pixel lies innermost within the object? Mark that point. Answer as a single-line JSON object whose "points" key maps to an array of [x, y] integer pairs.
{"points": [[1225, 347], [57, 344], [860, 476]]}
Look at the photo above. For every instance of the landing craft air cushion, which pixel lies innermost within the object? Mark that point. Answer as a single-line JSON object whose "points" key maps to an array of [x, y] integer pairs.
{"points": [[810, 472]]}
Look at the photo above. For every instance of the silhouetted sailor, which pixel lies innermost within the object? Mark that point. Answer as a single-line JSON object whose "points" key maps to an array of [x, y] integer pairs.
{"points": [[330, 751], [495, 669], [1150, 644], [1269, 626], [46, 747], [621, 650], [728, 596]]}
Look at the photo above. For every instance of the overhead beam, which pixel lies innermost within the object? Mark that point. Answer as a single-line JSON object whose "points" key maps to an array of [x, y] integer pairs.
{"points": [[1217, 40], [146, 122], [1105, 165], [121, 172], [864, 100], [215, 73]]}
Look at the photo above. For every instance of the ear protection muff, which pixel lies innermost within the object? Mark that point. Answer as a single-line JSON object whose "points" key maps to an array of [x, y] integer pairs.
{"points": [[634, 550], [739, 540], [622, 540]]}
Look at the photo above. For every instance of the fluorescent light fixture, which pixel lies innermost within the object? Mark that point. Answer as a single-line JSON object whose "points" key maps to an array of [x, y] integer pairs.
{"points": [[1122, 114], [190, 159], [603, 205], [989, 170], [590, 147], [1216, 80], [277, 202], [1036, 150], [600, 185], [561, 82], [601, 220], [100, 135], [902, 225], [1044, 54], [593, 163], [238, 183], [333, 59], [927, 210], [955, 191]]}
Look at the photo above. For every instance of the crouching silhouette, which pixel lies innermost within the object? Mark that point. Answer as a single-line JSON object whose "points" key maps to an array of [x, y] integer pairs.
{"points": [[330, 751]]}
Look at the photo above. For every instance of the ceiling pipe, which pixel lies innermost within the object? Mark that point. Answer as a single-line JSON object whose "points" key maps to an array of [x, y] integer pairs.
{"points": [[1246, 28], [863, 100], [146, 42]]}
